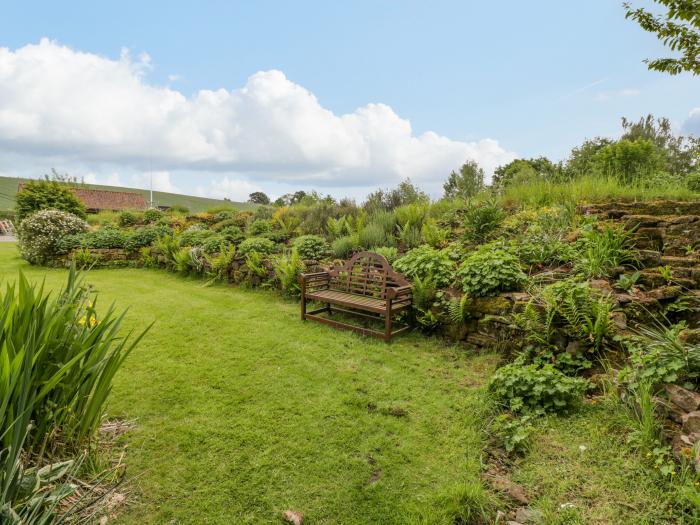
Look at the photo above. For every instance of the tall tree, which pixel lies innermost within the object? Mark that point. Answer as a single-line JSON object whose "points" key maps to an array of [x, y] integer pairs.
{"points": [[467, 183], [258, 197], [678, 28]]}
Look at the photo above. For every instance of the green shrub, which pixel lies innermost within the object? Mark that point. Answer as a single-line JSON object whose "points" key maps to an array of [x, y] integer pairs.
{"points": [[259, 226], [226, 223], [659, 355], [194, 236], [128, 218], [390, 253], [410, 236], [108, 237], [532, 389], [225, 215], [434, 235], [179, 208], [693, 182], [426, 261], [385, 219], [490, 270], [481, 221], [232, 234], [374, 235], [259, 245], [602, 250], [37, 195], [287, 269], [145, 236], [342, 247], [312, 247], [545, 250], [413, 215], [41, 233], [152, 215], [214, 244]]}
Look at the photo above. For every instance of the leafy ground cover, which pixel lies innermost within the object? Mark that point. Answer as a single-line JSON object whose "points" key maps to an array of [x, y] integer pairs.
{"points": [[243, 412]]}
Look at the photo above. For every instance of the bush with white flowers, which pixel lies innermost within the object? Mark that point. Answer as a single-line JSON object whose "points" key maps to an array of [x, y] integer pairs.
{"points": [[40, 234]]}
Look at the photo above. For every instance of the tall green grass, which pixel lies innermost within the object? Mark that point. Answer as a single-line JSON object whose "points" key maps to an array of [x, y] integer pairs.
{"points": [[590, 189]]}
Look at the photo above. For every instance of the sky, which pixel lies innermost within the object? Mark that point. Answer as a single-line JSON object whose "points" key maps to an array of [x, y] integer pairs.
{"points": [[222, 98]]}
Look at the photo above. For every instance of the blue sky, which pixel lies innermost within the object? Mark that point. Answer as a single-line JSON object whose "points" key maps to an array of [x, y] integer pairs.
{"points": [[534, 77]]}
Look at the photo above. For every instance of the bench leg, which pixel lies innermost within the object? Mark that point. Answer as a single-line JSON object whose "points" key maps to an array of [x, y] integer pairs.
{"points": [[303, 307], [387, 323]]}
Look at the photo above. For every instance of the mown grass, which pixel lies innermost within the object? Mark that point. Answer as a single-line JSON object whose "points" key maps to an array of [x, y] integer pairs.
{"points": [[590, 189], [242, 412]]}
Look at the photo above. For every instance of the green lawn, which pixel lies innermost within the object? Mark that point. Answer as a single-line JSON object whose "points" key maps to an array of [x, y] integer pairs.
{"points": [[242, 412]]}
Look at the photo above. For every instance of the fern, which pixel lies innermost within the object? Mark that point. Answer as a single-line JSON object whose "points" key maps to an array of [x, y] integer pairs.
{"points": [[287, 270], [458, 310], [424, 291]]}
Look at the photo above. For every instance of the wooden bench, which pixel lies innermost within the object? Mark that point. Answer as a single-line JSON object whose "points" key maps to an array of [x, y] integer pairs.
{"points": [[365, 286]]}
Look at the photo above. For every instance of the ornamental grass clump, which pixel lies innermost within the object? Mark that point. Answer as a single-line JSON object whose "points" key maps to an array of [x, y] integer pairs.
{"points": [[58, 357]]}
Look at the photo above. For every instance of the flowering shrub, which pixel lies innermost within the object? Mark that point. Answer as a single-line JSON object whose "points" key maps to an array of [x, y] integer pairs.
{"points": [[41, 233], [490, 270], [425, 261], [312, 247]]}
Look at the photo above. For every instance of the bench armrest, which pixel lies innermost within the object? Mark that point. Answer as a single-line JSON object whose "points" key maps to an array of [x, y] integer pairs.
{"points": [[315, 276], [398, 293]]}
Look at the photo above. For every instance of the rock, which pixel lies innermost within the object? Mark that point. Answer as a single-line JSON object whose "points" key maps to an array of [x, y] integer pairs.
{"points": [[691, 423], [490, 305], [293, 517], [641, 221], [574, 347], [686, 399], [511, 522], [650, 238], [665, 293], [619, 320], [668, 260], [513, 490], [682, 219], [601, 285], [650, 258], [690, 336], [526, 515]]}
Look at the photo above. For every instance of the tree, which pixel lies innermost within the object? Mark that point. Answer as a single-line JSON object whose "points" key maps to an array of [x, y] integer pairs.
{"points": [[405, 193], [682, 153], [258, 197], [46, 194], [523, 170], [467, 183], [582, 160], [630, 160], [679, 29]]}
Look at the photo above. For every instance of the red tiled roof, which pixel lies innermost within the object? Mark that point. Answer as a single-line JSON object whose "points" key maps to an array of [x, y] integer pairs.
{"points": [[110, 200]]}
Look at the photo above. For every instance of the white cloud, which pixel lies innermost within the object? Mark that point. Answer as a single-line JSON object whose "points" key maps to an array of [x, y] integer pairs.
{"points": [[160, 180], [69, 104], [692, 123], [234, 189]]}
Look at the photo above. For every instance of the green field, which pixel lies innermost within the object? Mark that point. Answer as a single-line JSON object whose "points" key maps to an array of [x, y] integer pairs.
{"points": [[9, 185], [242, 411]]}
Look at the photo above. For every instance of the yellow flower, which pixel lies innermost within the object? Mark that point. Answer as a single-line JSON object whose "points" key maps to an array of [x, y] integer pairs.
{"points": [[93, 321], [81, 321]]}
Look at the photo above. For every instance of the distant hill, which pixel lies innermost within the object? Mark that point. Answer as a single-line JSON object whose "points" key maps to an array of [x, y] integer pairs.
{"points": [[8, 190]]}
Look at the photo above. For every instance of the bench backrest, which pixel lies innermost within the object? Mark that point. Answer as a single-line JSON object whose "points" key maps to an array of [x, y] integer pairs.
{"points": [[366, 273]]}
